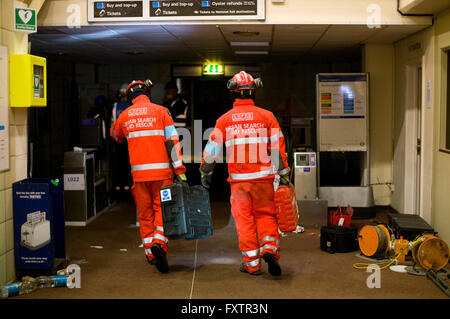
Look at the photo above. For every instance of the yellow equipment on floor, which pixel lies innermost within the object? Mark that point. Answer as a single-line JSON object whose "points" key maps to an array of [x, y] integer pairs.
{"points": [[428, 251], [374, 240]]}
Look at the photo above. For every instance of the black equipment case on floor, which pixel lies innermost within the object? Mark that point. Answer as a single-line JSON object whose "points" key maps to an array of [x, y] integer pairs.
{"points": [[186, 211], [409, 226], [338, 239]]}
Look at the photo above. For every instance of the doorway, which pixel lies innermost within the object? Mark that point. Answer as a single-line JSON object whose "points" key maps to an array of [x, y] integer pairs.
{"points": [[413, 149], [418, 134], [210, 100]]}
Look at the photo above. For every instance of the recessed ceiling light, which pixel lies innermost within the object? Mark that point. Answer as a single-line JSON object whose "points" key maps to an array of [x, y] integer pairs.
{"points": [[252, 52], [249, 44]]}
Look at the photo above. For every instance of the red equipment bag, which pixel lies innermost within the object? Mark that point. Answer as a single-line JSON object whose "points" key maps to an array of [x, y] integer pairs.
{"points": [[341, 218], [286, 208]]}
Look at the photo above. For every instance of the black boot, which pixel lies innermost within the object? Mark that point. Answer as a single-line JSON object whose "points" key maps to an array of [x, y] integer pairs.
{"points": [[255, 273], [274, 266], [161, 258], [151, 262]]}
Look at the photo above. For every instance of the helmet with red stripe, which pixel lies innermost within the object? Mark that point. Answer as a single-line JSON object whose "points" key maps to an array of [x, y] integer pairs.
{"points": [[242, 85], [137, 88]]}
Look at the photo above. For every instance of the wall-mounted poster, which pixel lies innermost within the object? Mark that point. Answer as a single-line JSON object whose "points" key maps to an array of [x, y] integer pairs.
{"points": [[342, 112]]}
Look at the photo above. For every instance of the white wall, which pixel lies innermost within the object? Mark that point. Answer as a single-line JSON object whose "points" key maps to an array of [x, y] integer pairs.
{"points": [[440, 214], [17, 43], [378, 60]]}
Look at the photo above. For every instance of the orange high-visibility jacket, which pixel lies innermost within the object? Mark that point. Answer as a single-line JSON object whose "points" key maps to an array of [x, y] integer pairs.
{"points": [[151, 136], [253, 140]]}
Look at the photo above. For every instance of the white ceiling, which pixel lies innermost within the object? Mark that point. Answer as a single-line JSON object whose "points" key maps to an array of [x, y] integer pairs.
{"points": [[423, 7], [201, 43]]}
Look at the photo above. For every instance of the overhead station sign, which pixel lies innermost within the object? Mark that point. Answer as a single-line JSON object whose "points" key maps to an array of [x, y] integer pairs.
{"points": [[174, 10], [118, 9], [203, 8]]}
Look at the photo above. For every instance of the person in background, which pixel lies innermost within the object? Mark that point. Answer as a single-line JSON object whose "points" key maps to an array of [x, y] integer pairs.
{"points": [[121, 159], [121, 105], [155, 155], [99, 111], [177, 105], [98, 117], [255, 151]]}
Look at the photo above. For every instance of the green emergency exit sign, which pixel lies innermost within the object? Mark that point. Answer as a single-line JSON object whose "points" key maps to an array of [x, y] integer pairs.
{"points": [[213, 69], [25, 20]]}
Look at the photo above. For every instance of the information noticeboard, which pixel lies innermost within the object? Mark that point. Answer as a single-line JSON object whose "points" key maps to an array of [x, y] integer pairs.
{"points": [[4, 124], [342, 112], [174, 10]]}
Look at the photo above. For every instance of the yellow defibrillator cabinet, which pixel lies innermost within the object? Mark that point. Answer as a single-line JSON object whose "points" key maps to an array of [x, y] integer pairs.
{"points": [[28, 80]]}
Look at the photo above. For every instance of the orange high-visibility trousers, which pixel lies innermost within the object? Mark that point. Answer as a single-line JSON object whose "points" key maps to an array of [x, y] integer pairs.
{"points": [[148, 203], [253, 209]]}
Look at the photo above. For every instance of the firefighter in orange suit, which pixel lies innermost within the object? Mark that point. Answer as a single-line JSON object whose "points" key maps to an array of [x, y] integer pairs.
{"points": [[155, 155], [255, 150]]}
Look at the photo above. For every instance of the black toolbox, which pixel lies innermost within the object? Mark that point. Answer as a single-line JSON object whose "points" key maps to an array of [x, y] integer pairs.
{"points": [[186, 211], [409, 226], [338, 239]]}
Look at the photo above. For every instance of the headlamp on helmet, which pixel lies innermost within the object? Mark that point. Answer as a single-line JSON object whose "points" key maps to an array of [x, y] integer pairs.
{"points": [[243, 86], [137, 88]]}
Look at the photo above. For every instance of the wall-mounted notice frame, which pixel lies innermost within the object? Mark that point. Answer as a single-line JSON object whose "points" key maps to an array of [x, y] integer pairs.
{"points": [[174, 10], [4, 103], [342, 112]]}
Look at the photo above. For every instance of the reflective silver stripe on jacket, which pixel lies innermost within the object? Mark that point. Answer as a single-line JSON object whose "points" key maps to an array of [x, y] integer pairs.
{"points": [[145, 133], [251, 253], [144, 167], [177, 163], [148, 252], [147, 240], [253, 140], [275, 137], [251, 175], [246, 140], [161, 237], [275, 249], [253, 263], [268, 238], [160, 228]]}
